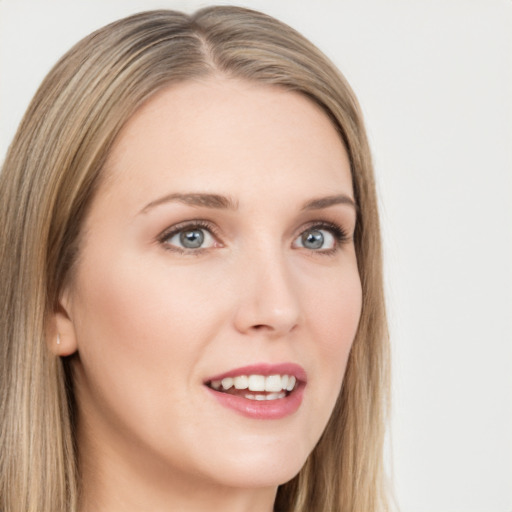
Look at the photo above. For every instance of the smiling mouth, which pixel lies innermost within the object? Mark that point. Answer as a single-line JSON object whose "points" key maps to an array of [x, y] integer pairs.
{"points": [[256, 387]]}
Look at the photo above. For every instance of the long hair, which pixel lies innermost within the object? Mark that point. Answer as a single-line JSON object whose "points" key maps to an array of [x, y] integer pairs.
{"points": [[50, 174]]}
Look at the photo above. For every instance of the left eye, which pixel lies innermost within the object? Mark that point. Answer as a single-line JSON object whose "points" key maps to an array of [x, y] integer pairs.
{"points": [[191, 238], [316, 239]]}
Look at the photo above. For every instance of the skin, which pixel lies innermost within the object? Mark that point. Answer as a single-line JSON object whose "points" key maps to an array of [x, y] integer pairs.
{"points": [[149, 322]]}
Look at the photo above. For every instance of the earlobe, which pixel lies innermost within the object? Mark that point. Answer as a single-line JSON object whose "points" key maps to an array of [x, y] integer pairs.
{"points": [[61, 337]]}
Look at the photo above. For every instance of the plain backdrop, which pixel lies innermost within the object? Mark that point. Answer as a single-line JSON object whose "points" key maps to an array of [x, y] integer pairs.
{"points": [[434, 79]]}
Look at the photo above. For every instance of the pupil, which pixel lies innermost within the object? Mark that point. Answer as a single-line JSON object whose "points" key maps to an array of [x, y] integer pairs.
{"points": [[192, 239], [313, 239]]}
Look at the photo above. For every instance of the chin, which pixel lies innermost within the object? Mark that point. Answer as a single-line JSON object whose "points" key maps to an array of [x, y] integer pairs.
{"points": [[272, 474], [259, 464]]}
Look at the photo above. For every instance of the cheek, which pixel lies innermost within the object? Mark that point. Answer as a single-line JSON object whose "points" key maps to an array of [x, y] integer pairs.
{"points": [[133, 309], [139, 338], [334, 317], [335, 312], [146, 324]]}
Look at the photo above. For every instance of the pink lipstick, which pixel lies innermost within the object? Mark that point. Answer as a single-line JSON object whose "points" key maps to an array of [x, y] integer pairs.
{"points": [[261, 391]]}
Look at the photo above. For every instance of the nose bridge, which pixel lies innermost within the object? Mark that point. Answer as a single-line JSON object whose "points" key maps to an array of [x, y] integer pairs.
{"points": [[268, 298]]}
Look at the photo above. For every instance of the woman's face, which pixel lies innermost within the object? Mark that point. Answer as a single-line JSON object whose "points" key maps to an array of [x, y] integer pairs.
{"points": [[217, 253]]}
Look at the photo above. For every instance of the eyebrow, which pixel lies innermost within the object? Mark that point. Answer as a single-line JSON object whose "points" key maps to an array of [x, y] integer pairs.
{"points": [[217, 201], [205, 200], [325, 202]]}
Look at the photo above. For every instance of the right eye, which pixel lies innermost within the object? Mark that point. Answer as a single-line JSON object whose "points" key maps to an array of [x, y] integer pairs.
{"points": [[191, 237]]}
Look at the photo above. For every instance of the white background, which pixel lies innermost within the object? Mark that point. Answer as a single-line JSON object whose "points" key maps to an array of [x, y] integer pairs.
{"points": [[435, 82]]}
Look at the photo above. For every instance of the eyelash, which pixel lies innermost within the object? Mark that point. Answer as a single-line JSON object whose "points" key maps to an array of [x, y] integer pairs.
{"points": [[187, 226], [339, 234]]}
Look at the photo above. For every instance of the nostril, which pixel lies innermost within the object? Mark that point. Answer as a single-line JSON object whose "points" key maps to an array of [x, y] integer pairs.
{"points": [[262, 328], [269, 328]]}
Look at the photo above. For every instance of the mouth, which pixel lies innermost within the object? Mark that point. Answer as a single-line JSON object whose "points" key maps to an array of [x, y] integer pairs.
{"points": [[256, 387], [260, 391]]}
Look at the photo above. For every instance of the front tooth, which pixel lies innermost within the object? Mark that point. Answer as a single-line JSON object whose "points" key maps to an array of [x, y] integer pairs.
{"points": [[241, 382], [256, 383], [291, 383], [227, 383], [284, 381], [273, 383]]}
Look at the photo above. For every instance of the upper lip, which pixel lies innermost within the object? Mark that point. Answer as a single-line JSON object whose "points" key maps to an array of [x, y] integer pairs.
{"points": [[264, 369]]}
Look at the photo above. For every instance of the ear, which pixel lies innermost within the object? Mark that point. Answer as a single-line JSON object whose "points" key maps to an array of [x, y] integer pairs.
{"points": [[61, 336]]}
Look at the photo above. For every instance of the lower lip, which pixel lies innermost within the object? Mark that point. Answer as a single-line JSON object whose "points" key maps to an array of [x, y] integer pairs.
{"points": [[262, 409]]}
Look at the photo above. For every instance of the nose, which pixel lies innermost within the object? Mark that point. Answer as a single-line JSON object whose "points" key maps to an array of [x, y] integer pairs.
{"points": [[267, 297]]}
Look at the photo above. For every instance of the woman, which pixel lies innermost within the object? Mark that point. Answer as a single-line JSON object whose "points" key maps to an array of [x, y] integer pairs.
{"points": [[192, 310]]}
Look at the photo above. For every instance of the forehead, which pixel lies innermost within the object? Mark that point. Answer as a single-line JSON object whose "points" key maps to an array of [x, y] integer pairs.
{"points": [[239, 136]]}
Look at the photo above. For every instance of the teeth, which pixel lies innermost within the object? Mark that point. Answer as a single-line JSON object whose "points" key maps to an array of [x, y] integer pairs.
{"points": [[256, 383], [272, 384], [241, 382], [270, 396], [227, 383], [275, 396]]}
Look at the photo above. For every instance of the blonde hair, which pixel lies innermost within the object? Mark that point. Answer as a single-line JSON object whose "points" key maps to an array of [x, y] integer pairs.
{"points": [[49, 176]]}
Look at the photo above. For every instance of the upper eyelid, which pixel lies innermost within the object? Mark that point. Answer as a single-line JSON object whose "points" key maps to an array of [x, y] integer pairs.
{"points": [[325, 224], [183, 226]]}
